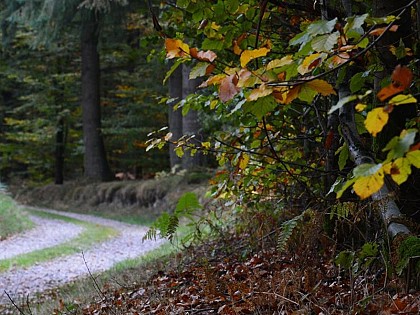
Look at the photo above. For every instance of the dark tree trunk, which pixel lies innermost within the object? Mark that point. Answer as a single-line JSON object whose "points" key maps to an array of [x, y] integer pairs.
{"points": [[175, 116], [60, 140], [190, 122], [95, 162]]}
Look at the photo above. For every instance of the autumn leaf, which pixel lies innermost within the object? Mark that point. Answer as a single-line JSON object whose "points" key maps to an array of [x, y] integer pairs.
{"points": [[366, 186], [401, 79], [402, 99], [261, 91], [228, 88], [414, 158], [285, 95], [175, 48], [404, 170], [376, 119], [321, 86], [310, 62], [340, 58], [243, 160], [277, 63], [208, 55], [214, 80], [360, 107], [379, 31], [249, 55]]}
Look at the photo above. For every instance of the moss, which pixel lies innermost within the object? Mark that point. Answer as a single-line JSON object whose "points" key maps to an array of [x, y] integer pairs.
{"points": [[408, 248]]}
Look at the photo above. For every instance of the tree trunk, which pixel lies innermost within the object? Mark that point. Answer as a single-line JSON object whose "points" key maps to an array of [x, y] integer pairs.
{"points": [[389, 210], [190, 122], [60, 137], [175, 116], [95, 162]]}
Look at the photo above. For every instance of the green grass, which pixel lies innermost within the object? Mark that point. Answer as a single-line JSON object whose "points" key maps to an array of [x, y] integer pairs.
{"points": [[12, 218], [92, 234]]}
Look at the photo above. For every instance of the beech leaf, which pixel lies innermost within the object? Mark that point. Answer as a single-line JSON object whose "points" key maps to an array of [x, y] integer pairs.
{"points": [[228, 88], [404, 170], [376, 119], [321, 86], [366, 186], [249, 55], [175, 48], [402, 99]]}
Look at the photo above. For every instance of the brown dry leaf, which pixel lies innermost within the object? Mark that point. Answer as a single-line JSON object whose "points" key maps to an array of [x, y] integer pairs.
{"points": [[379, 31], [228, 88]]}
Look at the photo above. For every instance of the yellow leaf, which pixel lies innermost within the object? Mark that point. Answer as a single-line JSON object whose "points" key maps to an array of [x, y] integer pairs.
{"points": [[214, 80], [402, 99], [311, 62], [376, 119], [175, 48], [277, 63], [401, 169], [361, 107], [414, 158], [206, 145], [366, 186], [387, 168], [321, 86], [285, 95], [261, 91], [243, 161], [248, 55]]}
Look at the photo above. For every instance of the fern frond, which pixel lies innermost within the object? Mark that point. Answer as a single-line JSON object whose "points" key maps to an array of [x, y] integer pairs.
{"points": [[287, 229]]}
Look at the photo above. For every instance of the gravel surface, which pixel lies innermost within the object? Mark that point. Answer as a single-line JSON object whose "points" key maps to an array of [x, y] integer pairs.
{"points": [[58, 232], [19, 283]]}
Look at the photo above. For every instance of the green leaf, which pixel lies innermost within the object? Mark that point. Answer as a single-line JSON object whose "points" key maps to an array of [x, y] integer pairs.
{"points": [[321, 27], [342, 102], [366, 169], [342, 187], [345, 259], [307, 94], [260, 107], [354, 23], [358, 81], [232, 6], [325, 42], [173, 68], [212, 44], [199, 70], [187, 203], [343, 156], [300, 38], [398, 146]]}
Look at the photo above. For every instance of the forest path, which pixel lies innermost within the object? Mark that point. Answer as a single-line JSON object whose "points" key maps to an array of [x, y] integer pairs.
{"points": [[19, 283]]}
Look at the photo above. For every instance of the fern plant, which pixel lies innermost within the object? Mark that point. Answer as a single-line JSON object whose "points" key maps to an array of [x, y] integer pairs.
{"points": [[167, 224], [287, 230]]}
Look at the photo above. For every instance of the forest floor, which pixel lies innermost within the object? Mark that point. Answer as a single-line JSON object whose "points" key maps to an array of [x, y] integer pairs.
{"points": [[242, 271]]}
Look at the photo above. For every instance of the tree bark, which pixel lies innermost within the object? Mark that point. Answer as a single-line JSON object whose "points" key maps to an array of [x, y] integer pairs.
{"points": [[190, 122], [175, 116], [95, 161], [60, 142], [389, 210]]}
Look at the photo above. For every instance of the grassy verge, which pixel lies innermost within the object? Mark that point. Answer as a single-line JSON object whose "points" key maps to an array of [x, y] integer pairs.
{"points": [[92, 234], [12, 218]]}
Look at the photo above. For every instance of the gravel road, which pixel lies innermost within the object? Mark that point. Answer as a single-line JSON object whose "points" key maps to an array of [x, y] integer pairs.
{"points": [[21, 282]]}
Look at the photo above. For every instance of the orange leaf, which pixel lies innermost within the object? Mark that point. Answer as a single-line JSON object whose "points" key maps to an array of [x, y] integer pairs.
{"points": [[286, 95], [381, 30], [210, 69], [401, 79], [228, 88], [329, 139], [175, 48], [261, 91], [321, 86]]}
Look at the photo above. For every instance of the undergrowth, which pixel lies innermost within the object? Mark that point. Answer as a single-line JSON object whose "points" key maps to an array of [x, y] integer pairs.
{"points": [[12, 217]]}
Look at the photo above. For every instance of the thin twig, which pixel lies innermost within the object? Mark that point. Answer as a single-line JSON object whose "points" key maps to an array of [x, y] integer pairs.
{"points": [[14, 304]]}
